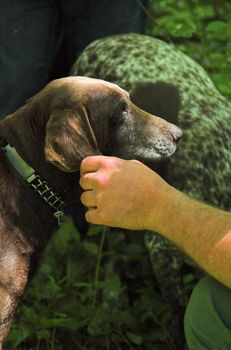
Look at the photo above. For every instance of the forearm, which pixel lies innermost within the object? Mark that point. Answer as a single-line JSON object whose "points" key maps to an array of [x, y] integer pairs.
{"points": [[203, 232], [127, 194]]}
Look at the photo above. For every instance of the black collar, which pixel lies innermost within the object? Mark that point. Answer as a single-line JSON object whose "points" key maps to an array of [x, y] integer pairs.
{"points": [[34, 180]]}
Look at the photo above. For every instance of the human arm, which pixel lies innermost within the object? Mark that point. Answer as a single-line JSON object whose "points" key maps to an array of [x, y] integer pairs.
{"points": [[128, 194]]}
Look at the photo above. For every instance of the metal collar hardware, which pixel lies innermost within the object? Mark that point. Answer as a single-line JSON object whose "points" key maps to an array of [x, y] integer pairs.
{"points": [[39, 185]]}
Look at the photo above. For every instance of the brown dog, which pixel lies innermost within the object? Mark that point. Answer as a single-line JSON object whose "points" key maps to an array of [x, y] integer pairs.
{"points": [[69, 119]]}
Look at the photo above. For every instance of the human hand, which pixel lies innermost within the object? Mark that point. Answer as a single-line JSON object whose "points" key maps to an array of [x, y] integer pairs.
{"points": [[128, 194], [120, 193]]}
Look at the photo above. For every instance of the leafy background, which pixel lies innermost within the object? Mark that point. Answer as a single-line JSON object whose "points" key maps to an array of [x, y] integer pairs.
{"points": [[99, 292]]}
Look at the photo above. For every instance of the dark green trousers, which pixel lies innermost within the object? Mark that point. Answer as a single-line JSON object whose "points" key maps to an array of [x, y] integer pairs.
{"points": [[32, 33], [208, 317]]}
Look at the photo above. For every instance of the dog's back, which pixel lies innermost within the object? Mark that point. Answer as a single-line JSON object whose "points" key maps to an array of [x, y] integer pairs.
{"points": [[168, 83]]}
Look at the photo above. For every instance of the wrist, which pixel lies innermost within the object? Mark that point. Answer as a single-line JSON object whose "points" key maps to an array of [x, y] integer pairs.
{"points": [[162, 201]]}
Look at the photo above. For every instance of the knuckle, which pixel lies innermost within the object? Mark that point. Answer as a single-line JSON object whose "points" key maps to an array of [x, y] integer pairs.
{"points": [[112, 161], [103, 180], [135, 161]]}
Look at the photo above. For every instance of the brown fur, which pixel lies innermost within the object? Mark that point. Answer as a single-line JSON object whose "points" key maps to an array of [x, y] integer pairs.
{"points": [[68, 120]]}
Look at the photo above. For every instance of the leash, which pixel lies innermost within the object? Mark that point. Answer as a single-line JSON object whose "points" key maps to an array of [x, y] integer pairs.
{"points": [[35, 181]]}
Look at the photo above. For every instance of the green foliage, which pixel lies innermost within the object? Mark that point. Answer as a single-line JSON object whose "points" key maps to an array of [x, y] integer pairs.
{"points": [[201, 29], [93, 293]]}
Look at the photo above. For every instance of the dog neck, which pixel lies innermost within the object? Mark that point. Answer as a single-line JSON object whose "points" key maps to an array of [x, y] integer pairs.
{"points": [[34, 180], [25, 131]]}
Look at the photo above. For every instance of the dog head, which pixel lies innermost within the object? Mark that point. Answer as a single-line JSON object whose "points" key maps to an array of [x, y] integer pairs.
{"points": [[90, 116], [75, 117]]}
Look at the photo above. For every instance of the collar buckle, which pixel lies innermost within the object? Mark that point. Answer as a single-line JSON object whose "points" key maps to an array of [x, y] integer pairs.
{"points": [[60, 216]]}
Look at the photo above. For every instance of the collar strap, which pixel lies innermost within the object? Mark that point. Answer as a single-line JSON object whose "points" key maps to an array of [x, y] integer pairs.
{"points": [[34, 180]]}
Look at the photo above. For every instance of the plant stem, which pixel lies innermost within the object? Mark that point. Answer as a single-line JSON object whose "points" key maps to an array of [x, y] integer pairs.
{"points": [[53, 339], [99, 258]]}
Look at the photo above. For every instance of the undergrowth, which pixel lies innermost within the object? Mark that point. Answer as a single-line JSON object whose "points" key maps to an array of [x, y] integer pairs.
{"points": [[93, 293]]}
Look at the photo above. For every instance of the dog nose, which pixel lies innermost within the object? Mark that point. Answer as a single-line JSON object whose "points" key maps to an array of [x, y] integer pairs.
{"points": [[176, 133]]}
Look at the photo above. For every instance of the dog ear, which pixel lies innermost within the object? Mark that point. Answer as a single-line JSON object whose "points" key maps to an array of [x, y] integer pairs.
{"points": [[69, 139]]}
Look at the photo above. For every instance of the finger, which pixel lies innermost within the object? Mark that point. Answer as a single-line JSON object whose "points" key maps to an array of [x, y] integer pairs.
{"points": [[88, 199], [91, 164], [92, 216], [87, 181]]}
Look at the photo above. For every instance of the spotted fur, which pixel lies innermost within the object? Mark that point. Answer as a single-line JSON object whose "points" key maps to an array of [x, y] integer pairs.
{"points": [[166, 82]]}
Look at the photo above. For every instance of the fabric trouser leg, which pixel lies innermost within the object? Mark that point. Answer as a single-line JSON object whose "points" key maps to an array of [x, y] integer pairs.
{"points": [[88, 20], [31, 32], [208, 317], [29, 36]]}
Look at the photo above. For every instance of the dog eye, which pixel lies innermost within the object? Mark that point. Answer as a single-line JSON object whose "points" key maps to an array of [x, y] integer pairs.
{"points": [[119, 115], [124, 106]]}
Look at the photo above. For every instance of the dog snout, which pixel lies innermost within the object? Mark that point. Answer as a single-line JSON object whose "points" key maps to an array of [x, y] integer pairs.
{"points": [[176, 132]]}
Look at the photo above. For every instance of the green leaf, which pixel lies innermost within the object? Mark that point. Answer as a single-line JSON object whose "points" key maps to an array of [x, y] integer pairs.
{"points": [[188, 278], [217, 30], [65, 235], [203, 11], [58, 323], [134, 338], [216, 26], [112, 287], [17, 335], [91, 248]]}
